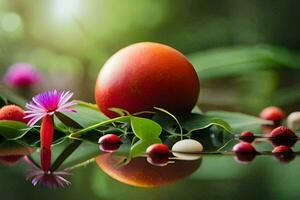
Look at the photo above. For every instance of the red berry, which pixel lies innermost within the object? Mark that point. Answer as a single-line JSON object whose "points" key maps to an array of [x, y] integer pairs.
{"points": [[282, 132], [282, 149], [283, 136], [110, 138], [247, 136], [272, 113], [158, 150], [158, 154], [12, 112], [109, 143], [243, 147]]}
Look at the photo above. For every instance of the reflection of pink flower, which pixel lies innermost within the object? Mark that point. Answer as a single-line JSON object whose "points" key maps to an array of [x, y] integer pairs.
{"points": [[47, 179], [22, 75], [44, 106]]}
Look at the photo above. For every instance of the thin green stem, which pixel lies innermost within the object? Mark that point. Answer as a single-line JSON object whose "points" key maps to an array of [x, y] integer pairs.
{"points": [[82, 131]]}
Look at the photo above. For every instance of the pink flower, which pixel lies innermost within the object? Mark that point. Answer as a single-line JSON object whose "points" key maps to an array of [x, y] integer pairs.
{"points": [[44, 106], [47, 179], [22, 75], [48, 103]]}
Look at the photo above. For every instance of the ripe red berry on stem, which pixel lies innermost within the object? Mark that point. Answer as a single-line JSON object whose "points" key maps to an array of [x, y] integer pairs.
{"points": [[272, 113], [158, 154], [244, 147], [12, 112], [109, 142], [158, 150], [247, 136], [283, 136]]}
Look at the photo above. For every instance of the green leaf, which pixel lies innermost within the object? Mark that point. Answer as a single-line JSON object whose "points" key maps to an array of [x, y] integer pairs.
{"points": [[239, 121], [140, 147], [145, 128], [12, 130], [194, 122], [85, 116]]}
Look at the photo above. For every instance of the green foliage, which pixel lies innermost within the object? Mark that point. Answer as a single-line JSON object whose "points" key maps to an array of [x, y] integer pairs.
{"points": [[145, 128], [233, 61], [239, 121]]}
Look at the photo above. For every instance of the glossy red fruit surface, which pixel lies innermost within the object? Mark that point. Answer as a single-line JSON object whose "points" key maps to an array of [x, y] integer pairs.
{"points": [[282, 132], [12, 112], [272, 113], [109, 143], [247, 136], [243, 147], [146, 75], [158, 150]]}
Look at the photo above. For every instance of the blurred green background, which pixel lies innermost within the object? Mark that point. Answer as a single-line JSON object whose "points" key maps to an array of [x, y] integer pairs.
{"points": [[245, 52]]}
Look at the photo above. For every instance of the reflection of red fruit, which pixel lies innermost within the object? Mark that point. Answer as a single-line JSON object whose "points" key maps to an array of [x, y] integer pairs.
{"points": [[244, 158], [12, 112], [146, 75], [160, 160], [283, 154], [243, 147], [11, 156], [142, 174], [247, 136], [10, 160], [272, 113], [282, 149]]}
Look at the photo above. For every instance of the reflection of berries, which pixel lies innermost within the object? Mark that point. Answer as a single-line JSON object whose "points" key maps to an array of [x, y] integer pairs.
{"points": [[10, 160], [247, 136], [244, 147], [244, 158], [109, 143], [283, 154], [12, 112], [272, 113], [158, 160], [283, 136]]}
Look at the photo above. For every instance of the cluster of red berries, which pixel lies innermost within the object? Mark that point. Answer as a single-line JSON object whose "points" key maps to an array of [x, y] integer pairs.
{"points": [[281, 137], [157, 154]]}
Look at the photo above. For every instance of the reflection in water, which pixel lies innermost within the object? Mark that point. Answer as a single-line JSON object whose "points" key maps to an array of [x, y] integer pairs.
{"points": [[11, 152], [285, 157], [244, 158], [50, 179], [139, 172]]}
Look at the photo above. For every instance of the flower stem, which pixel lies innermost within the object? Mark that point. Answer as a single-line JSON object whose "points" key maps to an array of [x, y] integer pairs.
{"points": [[46, 134]]}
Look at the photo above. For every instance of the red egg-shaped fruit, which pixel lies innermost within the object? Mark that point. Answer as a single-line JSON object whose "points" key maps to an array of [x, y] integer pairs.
{"points": [[146, 75], [272, 113], [109, 143], [243, 147]]}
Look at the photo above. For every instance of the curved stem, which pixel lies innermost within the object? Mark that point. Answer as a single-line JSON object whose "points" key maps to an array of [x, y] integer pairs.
{"points": [[82, 131]]}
